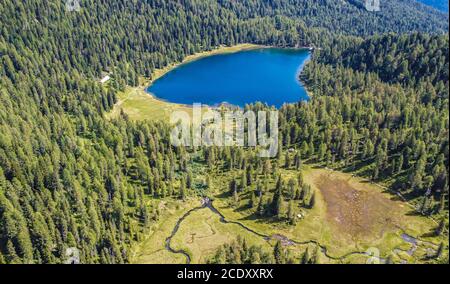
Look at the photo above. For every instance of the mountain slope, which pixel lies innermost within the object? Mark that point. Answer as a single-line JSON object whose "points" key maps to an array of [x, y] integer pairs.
{"points": [[348, 16], [71, 178], [404, 59]]}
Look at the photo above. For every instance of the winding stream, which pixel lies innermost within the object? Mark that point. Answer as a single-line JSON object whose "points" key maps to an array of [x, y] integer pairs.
{"points": [[175, 230], [207, 203]]}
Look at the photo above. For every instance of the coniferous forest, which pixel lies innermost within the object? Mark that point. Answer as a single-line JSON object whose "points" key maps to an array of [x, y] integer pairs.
{"points": [[71, 177]]}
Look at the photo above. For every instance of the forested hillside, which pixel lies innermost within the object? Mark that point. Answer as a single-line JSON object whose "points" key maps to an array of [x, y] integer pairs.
{"points": [[406, 59], [371, 113], [372, 122], [71, 178], [348, 16]]}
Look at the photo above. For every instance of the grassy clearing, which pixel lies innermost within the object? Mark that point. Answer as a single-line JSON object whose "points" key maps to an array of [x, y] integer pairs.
{"points": [[349, 215], [140, 105], [152, 249], [202, 233]]}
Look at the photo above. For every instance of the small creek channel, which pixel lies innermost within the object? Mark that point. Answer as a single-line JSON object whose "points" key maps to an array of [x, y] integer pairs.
{"points": [[208, 204]]}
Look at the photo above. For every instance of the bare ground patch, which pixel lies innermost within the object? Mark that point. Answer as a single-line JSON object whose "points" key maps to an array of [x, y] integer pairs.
{"points": [[357, 211]]}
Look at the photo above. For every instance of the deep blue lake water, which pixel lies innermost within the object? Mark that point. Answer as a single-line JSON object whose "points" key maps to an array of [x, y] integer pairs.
{"points": [[268, 75], [438, 4]]}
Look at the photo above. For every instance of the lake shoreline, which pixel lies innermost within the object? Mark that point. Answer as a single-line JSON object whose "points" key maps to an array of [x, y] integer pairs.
{"points": [[221, 50], [160, 72]]}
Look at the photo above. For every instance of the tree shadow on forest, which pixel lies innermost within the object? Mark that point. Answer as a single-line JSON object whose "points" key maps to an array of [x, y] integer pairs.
{"points": [[394, 197], [260, 219], [224, 194], [242, 208], [430, 234], [414, 213]]}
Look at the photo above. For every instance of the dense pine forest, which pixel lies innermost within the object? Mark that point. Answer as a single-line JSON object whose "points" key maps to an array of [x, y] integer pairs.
{"points": [[390, 118], [69, 177], [239, 252]]}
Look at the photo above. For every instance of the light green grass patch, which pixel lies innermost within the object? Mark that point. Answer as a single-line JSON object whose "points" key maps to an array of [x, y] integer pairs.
{"points": [[202, 233], [152, 249]]}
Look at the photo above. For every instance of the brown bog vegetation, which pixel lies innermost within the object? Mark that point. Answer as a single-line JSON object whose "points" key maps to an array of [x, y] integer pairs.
{"points": [[357, 211]]}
